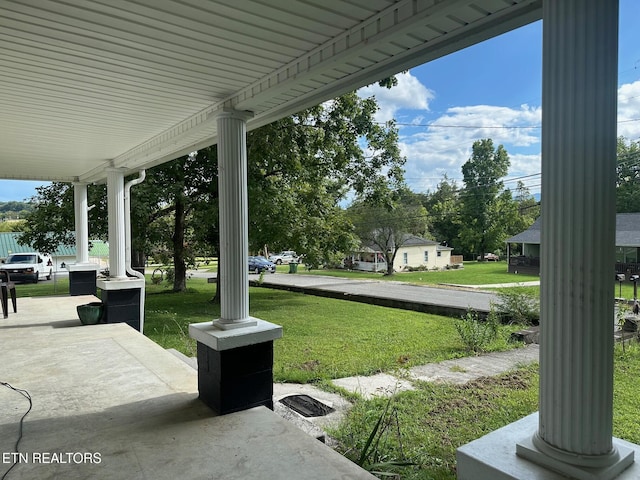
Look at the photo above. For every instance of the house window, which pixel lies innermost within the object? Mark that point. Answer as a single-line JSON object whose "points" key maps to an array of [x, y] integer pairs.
{"points": [[426, 255], [439, 254], [405, 258]]}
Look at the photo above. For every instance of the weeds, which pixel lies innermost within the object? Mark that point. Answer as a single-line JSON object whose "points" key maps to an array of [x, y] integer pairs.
{"points": [[372, 457], [475, 333], [519, 306]]}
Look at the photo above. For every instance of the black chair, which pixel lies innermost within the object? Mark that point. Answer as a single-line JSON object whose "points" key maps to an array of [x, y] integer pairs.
{"points": [[7, 287]]}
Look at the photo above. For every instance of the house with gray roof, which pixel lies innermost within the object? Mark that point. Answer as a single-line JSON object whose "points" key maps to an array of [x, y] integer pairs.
{"points": [[627, 246], [415, 252]]}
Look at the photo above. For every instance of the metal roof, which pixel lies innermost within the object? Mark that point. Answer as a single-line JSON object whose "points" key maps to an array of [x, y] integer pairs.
{"points": [[627, 231], [9, 244], [89, 84]]}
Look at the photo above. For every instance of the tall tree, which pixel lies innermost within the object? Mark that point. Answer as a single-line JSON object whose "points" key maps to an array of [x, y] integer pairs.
{"points": [[480, 213], [628, 176], [386, 227], [443, 206]]}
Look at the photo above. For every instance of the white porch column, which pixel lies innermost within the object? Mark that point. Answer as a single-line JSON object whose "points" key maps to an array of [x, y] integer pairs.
{"points": [[81, 210], [579, 99], [234, 237], [572, 433], [235, 352], [115, 207]]}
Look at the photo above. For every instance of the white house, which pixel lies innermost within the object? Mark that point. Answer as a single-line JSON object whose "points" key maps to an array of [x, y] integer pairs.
{"points": [[415, 252]]}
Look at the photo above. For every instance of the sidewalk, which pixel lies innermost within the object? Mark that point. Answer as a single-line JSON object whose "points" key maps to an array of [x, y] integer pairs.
{"points": [[442, 301]]}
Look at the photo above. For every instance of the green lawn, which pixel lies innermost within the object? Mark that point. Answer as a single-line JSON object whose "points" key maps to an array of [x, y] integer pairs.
{"points": [[323, 338], [435, 419], [326, 338], [473, 273]]}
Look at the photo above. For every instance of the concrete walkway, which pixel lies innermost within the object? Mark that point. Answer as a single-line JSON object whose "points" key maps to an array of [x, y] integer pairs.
{"points": [[442, 301]]}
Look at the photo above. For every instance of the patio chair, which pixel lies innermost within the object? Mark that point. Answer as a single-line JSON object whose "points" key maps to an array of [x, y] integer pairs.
{"points": [[7, 287]]}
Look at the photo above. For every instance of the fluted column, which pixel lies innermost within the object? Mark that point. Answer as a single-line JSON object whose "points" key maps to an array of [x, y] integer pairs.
{"points": [[234, 238], [115, 207], [579, 88], [81, 218]]}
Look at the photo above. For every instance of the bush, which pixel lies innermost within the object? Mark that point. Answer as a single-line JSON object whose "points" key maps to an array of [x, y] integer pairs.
{"points": [[519, 307], [475, 333]]}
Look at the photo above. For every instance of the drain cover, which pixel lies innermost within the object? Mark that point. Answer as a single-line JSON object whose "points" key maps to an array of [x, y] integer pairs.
{"points": [[306, 406]]}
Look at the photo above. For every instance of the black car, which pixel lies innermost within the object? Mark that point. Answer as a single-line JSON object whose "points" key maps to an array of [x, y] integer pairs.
{"points": [[261, 264]]}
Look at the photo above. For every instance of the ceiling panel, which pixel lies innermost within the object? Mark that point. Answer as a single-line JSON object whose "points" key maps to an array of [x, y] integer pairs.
{"points": [[88, 84]]}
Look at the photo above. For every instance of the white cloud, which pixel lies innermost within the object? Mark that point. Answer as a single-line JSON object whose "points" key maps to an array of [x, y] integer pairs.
{"points": [[409, 94], [440, 146], [445, 144], [629, 110]]}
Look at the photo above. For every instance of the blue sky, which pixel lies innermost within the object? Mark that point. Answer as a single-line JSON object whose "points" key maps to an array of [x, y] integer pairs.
{"points": [[444, 106]]}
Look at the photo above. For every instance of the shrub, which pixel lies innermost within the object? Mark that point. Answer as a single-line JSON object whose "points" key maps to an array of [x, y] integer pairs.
{"points": [[519, 307], [475, 333]]}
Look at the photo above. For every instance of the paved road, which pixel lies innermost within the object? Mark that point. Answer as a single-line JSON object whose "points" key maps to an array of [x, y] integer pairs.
{"points": [[382, 292]]}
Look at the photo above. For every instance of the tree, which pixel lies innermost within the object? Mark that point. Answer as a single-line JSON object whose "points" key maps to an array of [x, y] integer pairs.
{"points": [[443, 206], [51, 222], [480, 212], [300, 169], [628, 176], [387, 227]]}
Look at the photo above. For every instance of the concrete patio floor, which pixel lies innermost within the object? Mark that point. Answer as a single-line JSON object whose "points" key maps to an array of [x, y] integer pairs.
{"points": [[108, 403]]}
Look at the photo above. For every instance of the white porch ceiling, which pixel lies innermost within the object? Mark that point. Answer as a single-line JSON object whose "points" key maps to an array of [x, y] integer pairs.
{"points": [[88, 84]]}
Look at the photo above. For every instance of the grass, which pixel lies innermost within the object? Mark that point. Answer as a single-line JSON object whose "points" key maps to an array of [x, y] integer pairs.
{"points": [[323, 338], [436, 419], [327, 338], [473, 273]]}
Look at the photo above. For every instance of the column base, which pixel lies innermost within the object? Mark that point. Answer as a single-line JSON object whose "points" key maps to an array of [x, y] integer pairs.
{"points": [[619, 460], [82, 279], [235, 367], [121, 299], [494, 457]]}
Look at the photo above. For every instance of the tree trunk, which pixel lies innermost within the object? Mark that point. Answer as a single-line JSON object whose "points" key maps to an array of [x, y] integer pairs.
{"points": [[390, 259], [180, 266]]}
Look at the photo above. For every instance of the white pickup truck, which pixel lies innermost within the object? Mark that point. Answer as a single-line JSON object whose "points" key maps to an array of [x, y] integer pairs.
{"points": [[28, 266], [288, 256]]}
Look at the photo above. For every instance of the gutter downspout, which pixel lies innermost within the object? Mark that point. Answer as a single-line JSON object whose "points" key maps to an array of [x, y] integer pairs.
{"points": [[127, 234]]}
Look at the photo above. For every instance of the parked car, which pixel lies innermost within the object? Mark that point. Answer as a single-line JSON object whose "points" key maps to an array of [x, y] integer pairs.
{"points": [[287, 256], [28, 266], [261, 264], [490, 257]]}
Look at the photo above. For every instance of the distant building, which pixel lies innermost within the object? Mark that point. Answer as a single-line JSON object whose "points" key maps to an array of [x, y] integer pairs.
{"points": [[415, 252], [627, 246], [62, 256]]}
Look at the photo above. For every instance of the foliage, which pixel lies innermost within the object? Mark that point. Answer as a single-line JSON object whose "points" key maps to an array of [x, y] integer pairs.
{"points": [[301, 167], [628, 176], [386, 228], [477, 334], [372, 457], [519, 306], [443, 206], [13, 210], [482, 204], [51, 223], [12, 225]]}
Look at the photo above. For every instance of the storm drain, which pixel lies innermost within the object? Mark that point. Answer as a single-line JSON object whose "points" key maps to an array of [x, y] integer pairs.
{"points": [[306, 406]]}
